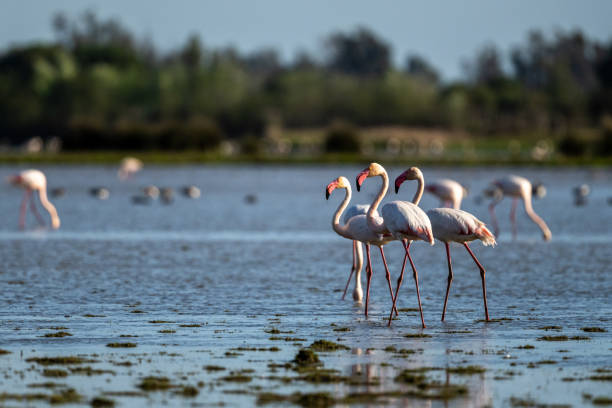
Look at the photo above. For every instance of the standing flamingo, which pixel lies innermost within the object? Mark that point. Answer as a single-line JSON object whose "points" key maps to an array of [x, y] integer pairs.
{"points": [[357, 253], [517, 188], [403, 220], [34, 180], [453, 225], [128, 167], [357, 229], [448, 191]]}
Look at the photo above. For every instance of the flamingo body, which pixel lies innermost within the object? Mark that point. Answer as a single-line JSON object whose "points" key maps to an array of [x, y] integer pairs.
{"points": [[451, 225], [407, 221], [34, 180], [448, 191]]}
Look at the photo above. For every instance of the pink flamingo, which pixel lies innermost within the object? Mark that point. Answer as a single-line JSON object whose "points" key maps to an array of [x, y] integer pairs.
{"points": [[517, 188], [405, 222], [357, 229], [34, 180], [453, 225], [448, 191], [128, 167]]}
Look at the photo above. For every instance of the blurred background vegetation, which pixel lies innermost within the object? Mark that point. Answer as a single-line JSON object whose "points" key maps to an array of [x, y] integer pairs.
{"points": [[99, 88]]}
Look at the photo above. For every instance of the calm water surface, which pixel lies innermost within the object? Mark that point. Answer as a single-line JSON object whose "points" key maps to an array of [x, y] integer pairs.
{"points": [[235, 272]]}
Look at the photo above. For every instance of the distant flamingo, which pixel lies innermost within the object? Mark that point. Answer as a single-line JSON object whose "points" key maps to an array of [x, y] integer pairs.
{"points": [[448, 191], [517, 188], [34, 180], [405, 221], [128, 167], [357, 253], [357, 229]]}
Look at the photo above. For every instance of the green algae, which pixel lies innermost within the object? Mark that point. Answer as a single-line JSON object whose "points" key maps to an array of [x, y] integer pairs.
{"points": [[602, 401], [47, 384], [3, 352], [56, 373], [466, 370], [547, 328], [167, 331], [306, 358], [408, 309], [593, 330], [342, 329], [93, 315], [562, 338], [66, 396], [60, 360], [326, 345], [160, 321], [121, 345], [155, 384], [58, 334], [213, 368], [102, 402], [188, 391], [89, 371], [526, 347], [190, 325], [416, 335], [237, 377]]}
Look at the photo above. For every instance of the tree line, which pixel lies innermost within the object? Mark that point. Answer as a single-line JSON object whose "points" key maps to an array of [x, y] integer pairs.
{"points": [[98, 86]]}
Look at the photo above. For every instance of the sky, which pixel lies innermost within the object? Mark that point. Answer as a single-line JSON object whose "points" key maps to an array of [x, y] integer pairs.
{"points": [[444, 32]]}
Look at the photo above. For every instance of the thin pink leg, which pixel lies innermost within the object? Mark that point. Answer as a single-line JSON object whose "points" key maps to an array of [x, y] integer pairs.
{"points": [[513, 217], [493, 217], [482, 277], [382, 253], [416, 281], [369, 275], [450, 278], [352, 269], [40, 219], [399, 283], [23, 208]]}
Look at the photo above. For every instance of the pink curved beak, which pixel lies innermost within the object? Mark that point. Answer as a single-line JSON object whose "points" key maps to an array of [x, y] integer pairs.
{"points": [[362, 176], [399, 180], [330, 187]]}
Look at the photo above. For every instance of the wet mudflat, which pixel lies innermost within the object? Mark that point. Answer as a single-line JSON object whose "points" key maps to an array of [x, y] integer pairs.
{"points": [[218, 301]]}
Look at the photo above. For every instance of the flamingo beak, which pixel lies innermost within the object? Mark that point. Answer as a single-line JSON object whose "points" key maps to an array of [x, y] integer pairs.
{"points": [[362, 176], [330, 187], [14, 179], [399, 180]]}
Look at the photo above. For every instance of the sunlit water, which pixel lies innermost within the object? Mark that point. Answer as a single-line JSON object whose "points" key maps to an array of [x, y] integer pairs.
{"points": [[239, 270]]}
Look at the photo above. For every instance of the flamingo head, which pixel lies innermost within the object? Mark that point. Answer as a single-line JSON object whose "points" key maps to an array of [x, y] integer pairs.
{"points": [[373, 170], [413, 173], [340, 182], [15, 179]]}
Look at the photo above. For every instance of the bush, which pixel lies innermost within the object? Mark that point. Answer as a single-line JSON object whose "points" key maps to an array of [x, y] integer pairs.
{"points": [[342, 138], [573, 146]]}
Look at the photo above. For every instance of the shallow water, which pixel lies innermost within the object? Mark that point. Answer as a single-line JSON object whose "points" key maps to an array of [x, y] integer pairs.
{"points": [[239, 270]]}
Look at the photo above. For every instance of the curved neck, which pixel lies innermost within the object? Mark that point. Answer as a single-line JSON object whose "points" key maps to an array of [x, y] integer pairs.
{"points": [[375, 221], [536, 218], [341, 229], [42, 194], [419, 193]]}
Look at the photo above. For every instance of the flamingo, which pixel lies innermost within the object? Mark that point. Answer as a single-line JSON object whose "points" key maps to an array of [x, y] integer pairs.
{"points": [[448, 191], [358, 209], [128, 167], [517, 188], [34, 180], [356, 229], [454, 225], [405, 222]]}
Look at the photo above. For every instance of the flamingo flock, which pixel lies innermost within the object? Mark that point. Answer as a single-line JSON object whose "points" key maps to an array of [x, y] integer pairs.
{"points": [[406, 222]]}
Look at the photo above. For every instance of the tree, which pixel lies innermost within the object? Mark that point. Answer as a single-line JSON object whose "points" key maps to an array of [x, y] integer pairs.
{"points": [[419, 67], [360, 53]]}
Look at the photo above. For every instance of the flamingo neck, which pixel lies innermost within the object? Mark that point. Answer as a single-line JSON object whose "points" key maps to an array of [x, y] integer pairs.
{"points": [[536, 218], [419, 193], [339, 228], [42, 194], [375, 221]]}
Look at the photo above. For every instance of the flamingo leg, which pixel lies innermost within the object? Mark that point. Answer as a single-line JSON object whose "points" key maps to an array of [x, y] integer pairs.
{"points": [[352, 269], [399, 282], [382, 254], [369, 275], [450, 278], [482, 277], [23, 208], [40, 219], [513, 217], [415, 274], [493, 217]]}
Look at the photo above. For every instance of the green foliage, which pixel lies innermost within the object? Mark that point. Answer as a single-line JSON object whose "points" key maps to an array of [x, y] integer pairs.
{"points": [[342, 138], [572, 145]]}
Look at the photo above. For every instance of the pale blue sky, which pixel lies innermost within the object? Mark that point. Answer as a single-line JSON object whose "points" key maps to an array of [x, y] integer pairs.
{"points": [[444, 32]]}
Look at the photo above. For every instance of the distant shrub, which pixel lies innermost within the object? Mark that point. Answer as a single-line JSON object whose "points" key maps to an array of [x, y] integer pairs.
{"points": [[604, 145], [200, 133], [342, 138], [572, 145], [250, 144]]}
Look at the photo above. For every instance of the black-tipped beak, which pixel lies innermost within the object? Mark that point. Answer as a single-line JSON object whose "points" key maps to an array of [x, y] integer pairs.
{"points": [[398, 182], [326, 194], [330, 187], [360, 177]]}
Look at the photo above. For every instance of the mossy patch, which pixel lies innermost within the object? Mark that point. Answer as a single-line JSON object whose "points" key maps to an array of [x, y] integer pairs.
{"points": [[547, 328], [159, 321], [237, 377], [121, 345], [593, 330], [306, 357], [562, 338], [89, 371], [602, 401], [342, 329], [466, 370], [60, 360], [526, 347], [93, 315], [416, 335], [190, 325], [54, 373], [188, 391], [58, 334], [326, 345], [167, 331], [213, 368], [66, 396], [3, 352], [155, 384], [102, 402]]}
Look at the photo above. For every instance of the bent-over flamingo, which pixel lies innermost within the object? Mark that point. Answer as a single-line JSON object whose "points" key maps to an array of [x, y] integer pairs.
{"points": [[34, 180], [448, 191], [357, 229], [517, 188], [405, 221]]}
